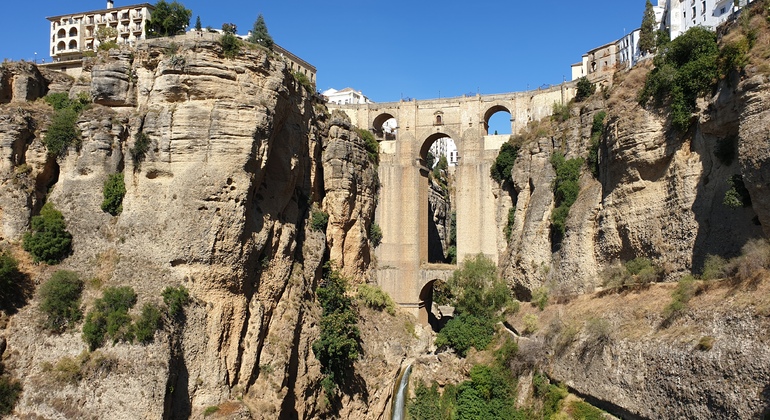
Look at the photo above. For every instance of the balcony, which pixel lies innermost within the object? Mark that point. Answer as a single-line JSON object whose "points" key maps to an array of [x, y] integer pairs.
{"points": [[124, 30], [137, 29], [138, 16], [124, 17]]}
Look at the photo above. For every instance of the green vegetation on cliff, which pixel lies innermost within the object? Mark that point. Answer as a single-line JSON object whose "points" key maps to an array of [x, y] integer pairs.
{"points": [[478, 295], [338, 345], [49, 240], [565, 189], [114, 190], [503, 164], [168, 19], [685, 69], [60, 300]]}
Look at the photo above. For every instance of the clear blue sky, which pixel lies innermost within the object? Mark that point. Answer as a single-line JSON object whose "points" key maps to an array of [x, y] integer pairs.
{"points": [[417, 49]]}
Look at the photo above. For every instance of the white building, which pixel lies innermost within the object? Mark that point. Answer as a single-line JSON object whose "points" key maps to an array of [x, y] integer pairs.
{"points": [[75, 33], [681, 15], [347, 96], [628, 50]]}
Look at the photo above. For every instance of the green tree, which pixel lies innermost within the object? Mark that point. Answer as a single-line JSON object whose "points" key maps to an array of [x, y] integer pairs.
{"points": [[62, 132], [198, 26], [503, 164], [9, 273], [584, 89], [49, 240], [114, 190], [259, 34], [647, 31], [175, 298], [168, 19], [149, 322], [60, 300]]}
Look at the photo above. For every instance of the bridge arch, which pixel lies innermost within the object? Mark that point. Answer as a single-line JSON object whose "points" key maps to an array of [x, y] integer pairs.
{"points": [[431, 138], [495, 109], [384, 126]]}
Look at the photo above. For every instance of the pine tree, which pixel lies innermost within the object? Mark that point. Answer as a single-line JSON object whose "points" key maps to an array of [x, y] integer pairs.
{"points": [[198, 26], [259, 34], [647, 32]]}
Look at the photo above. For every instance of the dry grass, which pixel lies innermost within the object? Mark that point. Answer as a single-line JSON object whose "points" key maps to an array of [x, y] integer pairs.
{"points": [[638, 314]]}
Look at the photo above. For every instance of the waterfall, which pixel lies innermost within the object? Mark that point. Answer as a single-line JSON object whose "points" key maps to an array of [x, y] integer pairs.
{"points": [[400, 399]]}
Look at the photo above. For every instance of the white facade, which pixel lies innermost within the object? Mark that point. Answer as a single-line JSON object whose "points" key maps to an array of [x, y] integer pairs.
{"points": [[681, 15], [75, 33], [444, 147], [628, 50], [345, 96]]}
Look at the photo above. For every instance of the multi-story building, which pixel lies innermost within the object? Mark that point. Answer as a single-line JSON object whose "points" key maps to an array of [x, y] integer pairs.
{"points": [[345, 96], [75, 33], [682, 15]]}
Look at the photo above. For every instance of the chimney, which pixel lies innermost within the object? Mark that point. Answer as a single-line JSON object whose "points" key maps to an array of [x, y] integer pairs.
{"points": [[110, 4]]}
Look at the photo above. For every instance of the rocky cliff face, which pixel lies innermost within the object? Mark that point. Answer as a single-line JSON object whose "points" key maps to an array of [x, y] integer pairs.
{"points": [[238, 152], [658, 195]]}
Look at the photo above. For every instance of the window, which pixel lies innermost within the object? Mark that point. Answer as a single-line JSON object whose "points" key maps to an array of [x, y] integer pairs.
{"points": [[703, 12], [438, 120], [722, 11]]}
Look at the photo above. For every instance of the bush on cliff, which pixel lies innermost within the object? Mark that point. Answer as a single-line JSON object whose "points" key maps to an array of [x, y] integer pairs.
{"points": [[60, 300], [503, 164], [114, 190], [338, 345], [109, 317], [685, 69], [565, 188], [49, 240]]}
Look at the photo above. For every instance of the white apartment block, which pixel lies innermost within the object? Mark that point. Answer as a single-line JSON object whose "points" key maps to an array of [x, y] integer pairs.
{"points": [[75, 33], [681, 15], [347, 96]]}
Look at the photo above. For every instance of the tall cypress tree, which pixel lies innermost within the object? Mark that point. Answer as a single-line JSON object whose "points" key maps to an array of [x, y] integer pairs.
{"points": [[259, 34], [647, 35]]}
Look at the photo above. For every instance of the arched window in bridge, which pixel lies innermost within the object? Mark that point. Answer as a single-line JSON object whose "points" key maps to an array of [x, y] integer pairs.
{"points": [[438, 120]]}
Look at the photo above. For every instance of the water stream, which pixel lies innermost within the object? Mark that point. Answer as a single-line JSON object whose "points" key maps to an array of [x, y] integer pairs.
{"points": [[400, 399]]}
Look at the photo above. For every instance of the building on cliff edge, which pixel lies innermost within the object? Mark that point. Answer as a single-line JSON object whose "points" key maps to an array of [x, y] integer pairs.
{"points": [[75, 33]]}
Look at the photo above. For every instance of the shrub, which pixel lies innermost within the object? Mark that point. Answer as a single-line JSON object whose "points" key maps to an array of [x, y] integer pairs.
{"points": [[62, 132], [49, 240], [375, 235], [141, 147], [530, 324], [508, 230], [60, 300], [560, 112], [466, 331], [370, 144], [58, 101], [9, 274], [477, 288], [581, 410], [108, 45], [488, 395], [231, 45], [10, 390], [375, 298], [149, 321], [566, 189], [318, 220], [540, 298], [685, 289], [304, 81], [685, 69], [175, 298], [210, 410], [503, 164], [426, 403], [338, 345], [715, 267], [705, 343], [584, 89], [754, 259], [114, 190], [598, 330], [109, 317], [738, 195], [597, 131], [734, 55], [725, 150]]}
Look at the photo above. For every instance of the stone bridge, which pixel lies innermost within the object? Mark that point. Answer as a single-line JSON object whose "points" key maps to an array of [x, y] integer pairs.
{"points": [[402, 213]]}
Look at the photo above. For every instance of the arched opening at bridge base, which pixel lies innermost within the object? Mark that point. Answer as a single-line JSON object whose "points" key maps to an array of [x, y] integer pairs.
{"points": [[438, 157], [434, 298]]}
